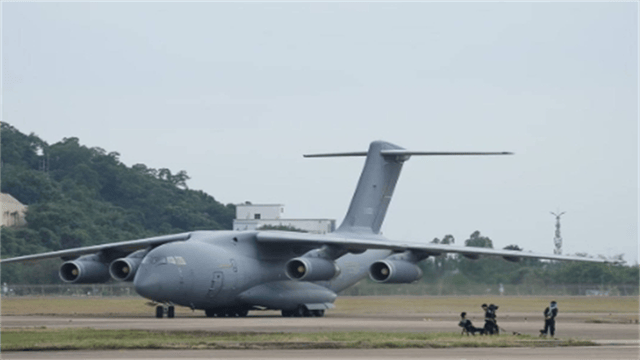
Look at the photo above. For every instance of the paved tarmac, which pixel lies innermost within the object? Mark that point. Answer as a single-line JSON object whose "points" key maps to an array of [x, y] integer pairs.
{"points": [[619, 340], [567, 353], [570, 326]]}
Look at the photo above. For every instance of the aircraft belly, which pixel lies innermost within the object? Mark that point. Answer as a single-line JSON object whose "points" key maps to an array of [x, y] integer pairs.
{"points": [[287, 294]]}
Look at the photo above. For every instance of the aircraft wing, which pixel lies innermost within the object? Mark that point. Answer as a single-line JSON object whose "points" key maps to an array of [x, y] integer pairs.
{"points": [[118, 247], [379, 242]]}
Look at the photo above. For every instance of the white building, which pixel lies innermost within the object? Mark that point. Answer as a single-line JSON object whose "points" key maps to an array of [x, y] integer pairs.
{"points": [[254, 217], [13, 212]]}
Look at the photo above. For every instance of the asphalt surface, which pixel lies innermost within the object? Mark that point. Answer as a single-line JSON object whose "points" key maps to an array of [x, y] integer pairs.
{"points": [[618, 340], [600, 352], [570, 326]]}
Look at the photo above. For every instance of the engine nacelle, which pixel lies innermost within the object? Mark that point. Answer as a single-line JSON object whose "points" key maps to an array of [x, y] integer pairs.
{"points": [[311, 269], [394, 272], [124, 269], [84, 270]]}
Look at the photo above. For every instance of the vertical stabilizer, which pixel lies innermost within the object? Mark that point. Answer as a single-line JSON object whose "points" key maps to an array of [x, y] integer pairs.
{"points": [[375, 188], [377, 182]]}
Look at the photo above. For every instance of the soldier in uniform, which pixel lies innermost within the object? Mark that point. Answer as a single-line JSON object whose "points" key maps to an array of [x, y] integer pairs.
{"points": [[550, 314], [490, 323], [467, 326]]}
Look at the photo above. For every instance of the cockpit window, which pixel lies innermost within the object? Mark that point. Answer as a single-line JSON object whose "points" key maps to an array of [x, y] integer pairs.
{"points": [[150, 260], [155, 260]]}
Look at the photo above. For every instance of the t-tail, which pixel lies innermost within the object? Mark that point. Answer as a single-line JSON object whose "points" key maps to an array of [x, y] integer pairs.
{"points": [[377, 182]]}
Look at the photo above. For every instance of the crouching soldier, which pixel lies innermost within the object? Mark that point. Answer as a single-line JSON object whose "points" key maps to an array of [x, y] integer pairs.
{"points": [[550, 314], [467, 326], [490, 322]]}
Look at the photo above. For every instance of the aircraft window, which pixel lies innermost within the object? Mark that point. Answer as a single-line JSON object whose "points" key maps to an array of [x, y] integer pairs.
{"points": [[180, 261], [151, 260], [171, 260]]}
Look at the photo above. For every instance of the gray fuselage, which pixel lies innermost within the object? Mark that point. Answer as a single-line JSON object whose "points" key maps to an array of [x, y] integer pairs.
{"points": [[221, 269]]}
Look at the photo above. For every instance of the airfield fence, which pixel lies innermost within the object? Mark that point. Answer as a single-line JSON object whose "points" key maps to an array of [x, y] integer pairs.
{"points": [[443, 288], [364, 288], [92, 290]]}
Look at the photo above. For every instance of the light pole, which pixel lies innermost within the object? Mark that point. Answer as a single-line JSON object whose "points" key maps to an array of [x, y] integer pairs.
{"points": [[557, 240]]}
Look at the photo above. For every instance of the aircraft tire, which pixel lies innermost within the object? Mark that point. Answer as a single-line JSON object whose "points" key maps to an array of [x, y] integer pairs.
{"points": [[242, 312], [318, 313], [210, 313], [300, 311], [287, 313], [159, 311], [171, 312]]}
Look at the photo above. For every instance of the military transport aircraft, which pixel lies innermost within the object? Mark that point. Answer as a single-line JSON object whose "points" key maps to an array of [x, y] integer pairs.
{"points": [[228, 273]]}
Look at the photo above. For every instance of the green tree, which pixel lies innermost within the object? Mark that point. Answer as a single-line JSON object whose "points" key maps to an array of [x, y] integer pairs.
{"points": [[477, 240]]}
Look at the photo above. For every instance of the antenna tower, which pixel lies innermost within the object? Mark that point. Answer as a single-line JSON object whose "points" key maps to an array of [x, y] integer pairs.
{"points": [[557, 240]]}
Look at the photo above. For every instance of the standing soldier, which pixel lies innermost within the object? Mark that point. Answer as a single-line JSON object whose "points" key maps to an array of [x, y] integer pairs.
{"points": [[550, 314]]}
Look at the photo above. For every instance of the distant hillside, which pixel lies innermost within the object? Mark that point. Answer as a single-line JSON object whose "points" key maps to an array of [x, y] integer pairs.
{"points": [[86, 196]]}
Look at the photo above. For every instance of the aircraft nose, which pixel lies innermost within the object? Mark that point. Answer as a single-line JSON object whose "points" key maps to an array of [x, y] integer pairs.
{"points": [[148, 283]]}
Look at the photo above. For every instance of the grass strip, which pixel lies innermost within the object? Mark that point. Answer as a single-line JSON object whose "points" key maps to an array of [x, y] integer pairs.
{"points": [[362, 305], [29, 339]]}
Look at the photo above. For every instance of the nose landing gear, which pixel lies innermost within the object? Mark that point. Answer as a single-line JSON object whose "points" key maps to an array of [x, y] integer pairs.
{"points": [[165, 309]]}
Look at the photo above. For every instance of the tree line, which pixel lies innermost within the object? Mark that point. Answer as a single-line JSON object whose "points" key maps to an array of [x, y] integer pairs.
{"points": [[82, 196], [453, 274]]}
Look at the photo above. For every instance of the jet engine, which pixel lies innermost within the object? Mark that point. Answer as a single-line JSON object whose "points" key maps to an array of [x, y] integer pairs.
{"points": [[84, 270], [394, 272], [311, 269], [124, 269]]}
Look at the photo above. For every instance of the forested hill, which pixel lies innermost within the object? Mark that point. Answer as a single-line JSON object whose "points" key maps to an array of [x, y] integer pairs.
{"points": [[85, 196]]}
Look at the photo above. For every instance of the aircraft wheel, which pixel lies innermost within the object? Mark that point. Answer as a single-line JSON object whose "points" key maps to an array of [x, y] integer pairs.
{"points": [[171, 312], [287, 313], [318, 313], [243, 312], [210, 313], [159, 311], [300, 311]]}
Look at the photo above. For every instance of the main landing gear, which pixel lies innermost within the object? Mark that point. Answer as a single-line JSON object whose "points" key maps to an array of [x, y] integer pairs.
{"points": [[302, 311], [227, 312], [164, 309]]}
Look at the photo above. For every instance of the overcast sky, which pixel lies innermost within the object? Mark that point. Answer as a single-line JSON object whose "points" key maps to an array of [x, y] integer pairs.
{"points": [[235, 93]]}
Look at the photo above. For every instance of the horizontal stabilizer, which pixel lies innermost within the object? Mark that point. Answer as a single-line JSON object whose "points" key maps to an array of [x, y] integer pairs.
{"points": [[357, 153], [402, 152], [438, 153]]}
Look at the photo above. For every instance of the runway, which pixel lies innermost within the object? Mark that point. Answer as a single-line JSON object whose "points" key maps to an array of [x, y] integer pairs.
{"points": [[619, 340], [600, 352], [569, 326]]}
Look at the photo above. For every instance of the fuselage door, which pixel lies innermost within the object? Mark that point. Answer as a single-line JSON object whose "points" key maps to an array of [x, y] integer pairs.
{"points": [[216, 284]]}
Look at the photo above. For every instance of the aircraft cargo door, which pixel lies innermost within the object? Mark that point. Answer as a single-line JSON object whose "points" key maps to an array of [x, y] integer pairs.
{"points": [[216, 284]]}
